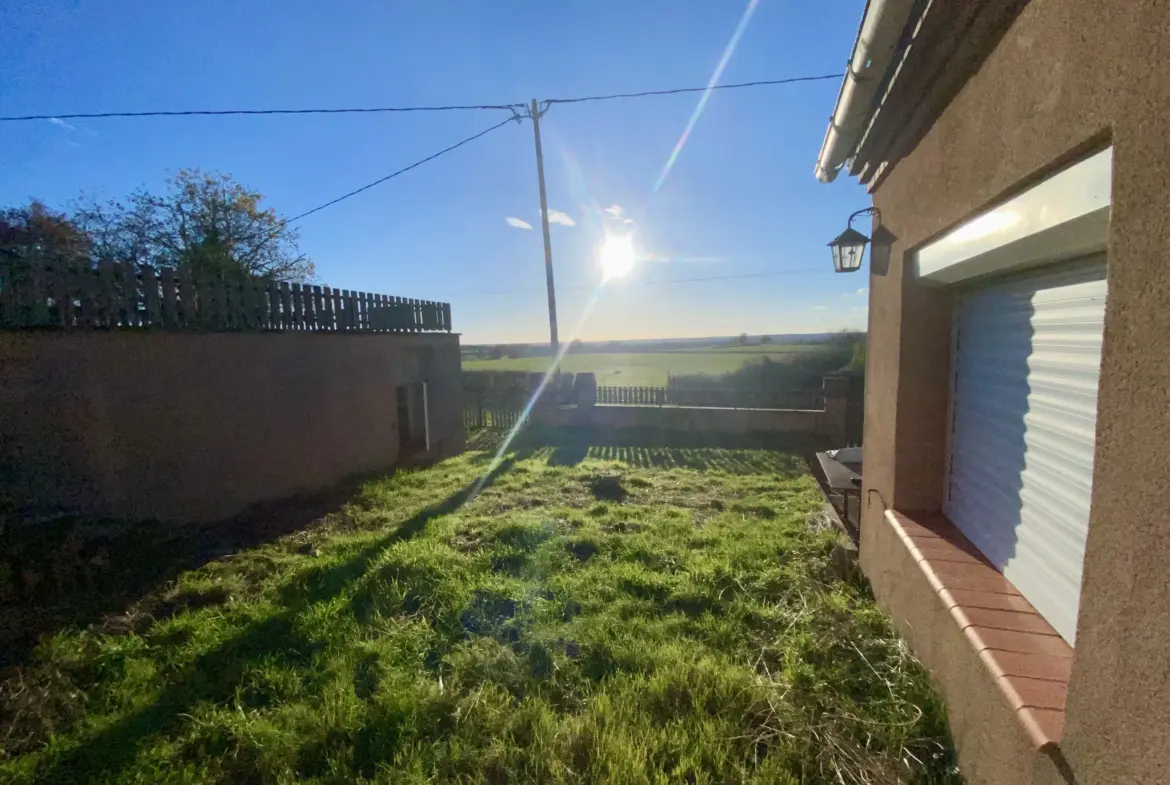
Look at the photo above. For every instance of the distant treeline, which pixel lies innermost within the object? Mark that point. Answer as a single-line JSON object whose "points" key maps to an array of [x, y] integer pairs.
{"points": [[843, 354]]}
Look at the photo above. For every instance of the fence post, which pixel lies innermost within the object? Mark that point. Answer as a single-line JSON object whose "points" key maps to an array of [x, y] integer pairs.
{"points": [[217, 313], [585, 389], [71, 283], [364, 302], [107, 297], [319, 318], [152, 316], [298, 307], [55, 289], [185, 304], [232, 303], [258, 307], [326, 301], [245, 304], [836, 409], [309, 295], [169, 312]]}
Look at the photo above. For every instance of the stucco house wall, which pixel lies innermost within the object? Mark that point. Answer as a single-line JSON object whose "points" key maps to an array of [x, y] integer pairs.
{"points": [[1067, 78]]}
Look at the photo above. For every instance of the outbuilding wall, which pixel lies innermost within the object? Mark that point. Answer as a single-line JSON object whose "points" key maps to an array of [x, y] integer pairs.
{"points": [[183, 426]]}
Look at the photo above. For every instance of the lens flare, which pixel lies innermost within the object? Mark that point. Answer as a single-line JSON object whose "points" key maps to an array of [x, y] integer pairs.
{"points": [[727, 52], [522, 421]]}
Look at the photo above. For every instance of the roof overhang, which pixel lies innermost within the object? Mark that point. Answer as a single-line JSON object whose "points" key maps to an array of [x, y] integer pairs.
{"points": [[940, 44]]}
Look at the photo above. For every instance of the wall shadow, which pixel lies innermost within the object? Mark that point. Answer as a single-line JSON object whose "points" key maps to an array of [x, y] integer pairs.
{"points": [[989, 427], [218, 675], [70, 573], [659, 449]]}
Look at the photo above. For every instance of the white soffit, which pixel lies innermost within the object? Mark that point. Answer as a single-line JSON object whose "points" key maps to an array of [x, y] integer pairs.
{"points": [[1064, 216]]}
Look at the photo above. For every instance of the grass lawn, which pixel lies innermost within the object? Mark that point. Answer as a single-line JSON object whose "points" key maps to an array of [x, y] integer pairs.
{"points": [[649, 368], [624, 614]]}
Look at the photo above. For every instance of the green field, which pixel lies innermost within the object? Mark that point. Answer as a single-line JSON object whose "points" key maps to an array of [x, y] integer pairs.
{"points": [[650, 368]]}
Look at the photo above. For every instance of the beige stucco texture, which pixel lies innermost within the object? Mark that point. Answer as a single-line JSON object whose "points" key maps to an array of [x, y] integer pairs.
{"points": [[1067, 78]]}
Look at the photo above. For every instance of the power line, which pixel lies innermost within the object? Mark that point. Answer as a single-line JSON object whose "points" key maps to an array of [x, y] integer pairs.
{"points": [[512, 107], [404, 170], [676, 91], [222, 112]]}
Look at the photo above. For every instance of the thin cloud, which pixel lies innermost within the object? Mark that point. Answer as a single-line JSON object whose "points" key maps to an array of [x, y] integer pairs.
{"points": [[628, 220], [862, 292], [557, 217], [615, 210], [818, 307], [57, 121], [518, 223]]}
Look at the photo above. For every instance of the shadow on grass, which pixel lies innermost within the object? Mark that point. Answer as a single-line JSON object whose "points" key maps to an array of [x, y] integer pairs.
{"points": [[71, 573], [327, 582], [651, 448], [216, 676]]}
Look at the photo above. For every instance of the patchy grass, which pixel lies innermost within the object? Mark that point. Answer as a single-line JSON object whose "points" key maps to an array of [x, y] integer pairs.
{"points": [[668, 618]]}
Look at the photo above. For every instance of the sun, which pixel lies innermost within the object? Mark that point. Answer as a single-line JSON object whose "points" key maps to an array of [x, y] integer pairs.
{"points": [[617, 256]]}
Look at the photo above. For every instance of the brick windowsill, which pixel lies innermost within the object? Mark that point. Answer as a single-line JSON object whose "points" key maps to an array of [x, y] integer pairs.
{"points": [[1028, 660]]}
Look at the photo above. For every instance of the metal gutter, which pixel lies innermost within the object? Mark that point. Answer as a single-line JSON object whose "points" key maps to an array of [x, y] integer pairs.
{"points": [[874, 53]]}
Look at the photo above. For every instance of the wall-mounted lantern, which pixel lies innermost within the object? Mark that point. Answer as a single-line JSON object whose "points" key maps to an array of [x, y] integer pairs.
{"points": [[849, 246]]}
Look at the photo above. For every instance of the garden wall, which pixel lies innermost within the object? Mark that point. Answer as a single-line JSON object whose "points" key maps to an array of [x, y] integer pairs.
{"points": [[826, 425], [198, 426]]}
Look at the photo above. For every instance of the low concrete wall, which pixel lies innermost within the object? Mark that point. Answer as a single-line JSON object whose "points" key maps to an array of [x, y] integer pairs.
{"points": [[820, 426], [192, 427]]}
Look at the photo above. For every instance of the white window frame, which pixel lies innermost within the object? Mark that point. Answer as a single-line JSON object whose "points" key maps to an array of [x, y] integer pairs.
{"points": [[1063, 217]]}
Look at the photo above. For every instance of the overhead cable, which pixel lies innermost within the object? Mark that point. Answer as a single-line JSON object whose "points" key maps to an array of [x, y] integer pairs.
{"points": [[404, 170], [512, 107], [691, 89], [223, 112]]}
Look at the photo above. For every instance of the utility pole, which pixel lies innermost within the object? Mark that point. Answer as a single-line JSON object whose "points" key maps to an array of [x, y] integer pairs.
{"points": [[552, 293]]}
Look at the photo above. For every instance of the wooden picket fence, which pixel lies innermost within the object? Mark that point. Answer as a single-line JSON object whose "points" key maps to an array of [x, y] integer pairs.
{"points": [[77, 295]]}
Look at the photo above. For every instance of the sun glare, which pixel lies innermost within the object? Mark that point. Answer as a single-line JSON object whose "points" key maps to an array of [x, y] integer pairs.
{"points": [[617, 257]]}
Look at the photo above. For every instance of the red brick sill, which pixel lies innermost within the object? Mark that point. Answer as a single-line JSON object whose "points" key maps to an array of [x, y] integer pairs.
{"points": [[1028, 660]]}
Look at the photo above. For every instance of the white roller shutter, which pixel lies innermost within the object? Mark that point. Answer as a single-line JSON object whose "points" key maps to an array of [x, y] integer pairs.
{"points": [[1024, 415]]}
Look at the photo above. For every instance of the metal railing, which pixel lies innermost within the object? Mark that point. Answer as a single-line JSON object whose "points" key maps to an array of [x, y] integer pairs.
{"points": [[712, 398]]}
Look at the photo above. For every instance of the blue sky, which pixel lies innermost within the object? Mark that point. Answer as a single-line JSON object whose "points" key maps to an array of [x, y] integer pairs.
{"points": [[740, 200]]}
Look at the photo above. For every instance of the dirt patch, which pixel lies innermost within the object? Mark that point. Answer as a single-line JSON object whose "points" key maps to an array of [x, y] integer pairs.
{"points": [[622, 527], [583, 550], [191, 600], [468, 541], [608, 488]]}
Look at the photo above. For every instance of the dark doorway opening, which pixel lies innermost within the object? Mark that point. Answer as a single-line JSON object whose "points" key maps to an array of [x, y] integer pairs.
{"points": [[413, 419], [402, 396]]}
